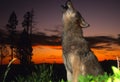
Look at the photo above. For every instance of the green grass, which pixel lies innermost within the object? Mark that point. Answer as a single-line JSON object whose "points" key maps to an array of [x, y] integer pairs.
{"points": [[43, 73]]}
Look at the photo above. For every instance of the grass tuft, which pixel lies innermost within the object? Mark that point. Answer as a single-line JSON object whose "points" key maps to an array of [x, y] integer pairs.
{"points": [[8, 68]]}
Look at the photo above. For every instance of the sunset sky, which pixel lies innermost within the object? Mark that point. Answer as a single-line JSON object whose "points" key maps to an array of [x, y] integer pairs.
{"points": [[102, 15]]}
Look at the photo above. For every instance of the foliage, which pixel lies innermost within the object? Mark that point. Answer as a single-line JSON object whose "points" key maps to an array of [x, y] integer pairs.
{"points": [[43, 73], [102, 78], [90, 78], [116, 76]]}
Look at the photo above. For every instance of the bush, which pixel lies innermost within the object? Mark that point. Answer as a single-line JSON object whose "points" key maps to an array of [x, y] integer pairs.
{"points": [[43, 73], [102, 78]]}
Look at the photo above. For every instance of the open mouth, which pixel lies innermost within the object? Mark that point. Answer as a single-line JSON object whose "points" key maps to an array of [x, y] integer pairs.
{"points": [[65, 6]]}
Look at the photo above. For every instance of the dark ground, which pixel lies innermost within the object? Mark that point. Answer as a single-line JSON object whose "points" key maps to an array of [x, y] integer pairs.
{"points": [[59, 71]]}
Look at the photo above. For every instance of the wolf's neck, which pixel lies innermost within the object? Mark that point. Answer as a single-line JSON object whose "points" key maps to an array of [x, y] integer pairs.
{"points": [[73, 31]]}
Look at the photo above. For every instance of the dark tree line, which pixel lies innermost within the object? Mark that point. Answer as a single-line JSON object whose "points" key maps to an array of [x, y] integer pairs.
{"points": [[21, 48]]}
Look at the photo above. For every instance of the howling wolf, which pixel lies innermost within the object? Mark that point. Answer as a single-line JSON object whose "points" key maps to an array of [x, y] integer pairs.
{"points": [[78, 58]]}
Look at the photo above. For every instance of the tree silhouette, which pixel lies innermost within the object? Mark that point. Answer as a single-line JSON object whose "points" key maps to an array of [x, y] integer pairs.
{"points": [[25, 48], [25, 44], [28, 22], [11, 27]]}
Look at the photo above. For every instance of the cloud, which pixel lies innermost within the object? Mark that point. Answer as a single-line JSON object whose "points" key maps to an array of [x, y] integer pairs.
{"points": [[97, 42], [41, 38], [57, 30], [100, 42], [54, 30]]}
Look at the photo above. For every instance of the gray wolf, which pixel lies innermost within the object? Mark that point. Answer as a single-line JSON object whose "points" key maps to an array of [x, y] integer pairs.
{"points": [[78, 58]]}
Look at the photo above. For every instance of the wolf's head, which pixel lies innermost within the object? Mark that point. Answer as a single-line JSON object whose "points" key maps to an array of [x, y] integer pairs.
{"points": [[70, 15]]}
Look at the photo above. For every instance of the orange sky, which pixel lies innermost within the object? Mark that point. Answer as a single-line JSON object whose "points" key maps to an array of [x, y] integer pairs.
{"points": [[53, 54], [45, 54]]}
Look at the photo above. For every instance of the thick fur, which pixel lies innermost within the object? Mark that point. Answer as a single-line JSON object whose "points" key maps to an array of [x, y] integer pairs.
{"points": [[78, 58]]}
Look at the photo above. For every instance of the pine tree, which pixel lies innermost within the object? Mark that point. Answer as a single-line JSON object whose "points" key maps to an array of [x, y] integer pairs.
{"points": [[25, 48], [25, 44], [11, 27], [28, 21]]}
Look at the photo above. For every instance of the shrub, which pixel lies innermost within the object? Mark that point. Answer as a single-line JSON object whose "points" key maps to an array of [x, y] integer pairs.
{"points": [[43, 73]]}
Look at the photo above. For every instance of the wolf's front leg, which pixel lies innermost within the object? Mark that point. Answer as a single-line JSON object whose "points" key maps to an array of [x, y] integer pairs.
{"points": [[69, 76]]}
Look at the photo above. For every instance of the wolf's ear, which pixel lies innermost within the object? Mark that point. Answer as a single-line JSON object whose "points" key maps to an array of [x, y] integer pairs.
{"points": [[83, 23]]}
